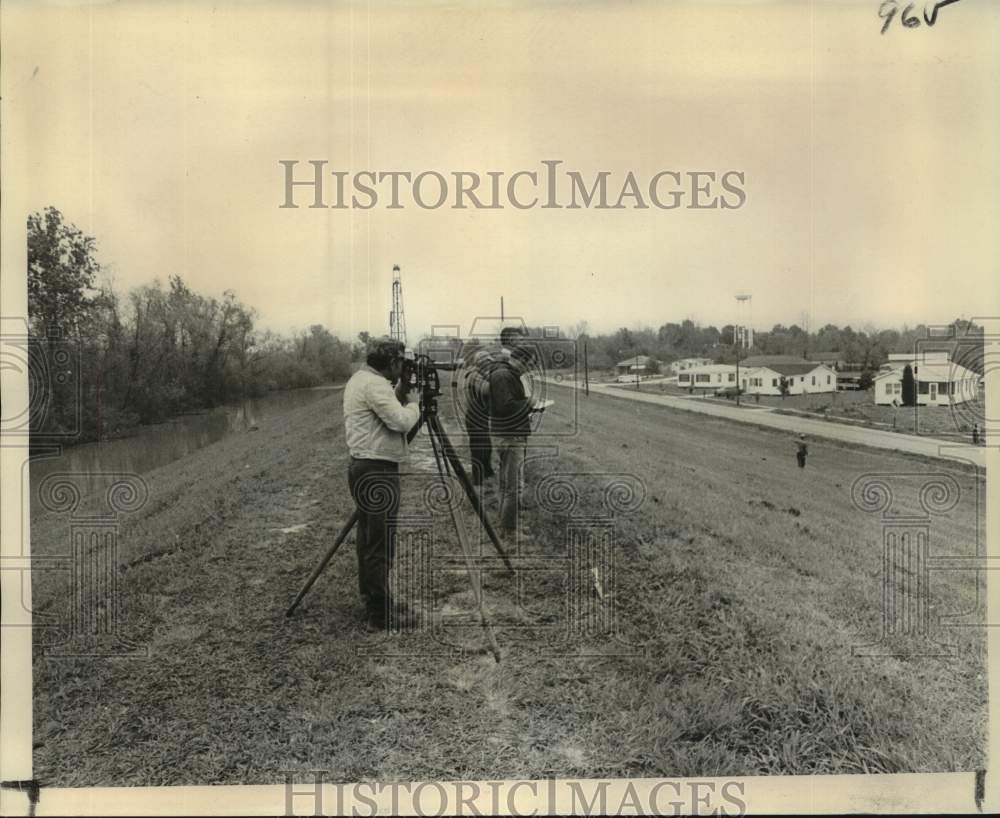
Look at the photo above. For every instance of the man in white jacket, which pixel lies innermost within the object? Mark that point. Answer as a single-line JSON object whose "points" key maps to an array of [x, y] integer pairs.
{"points": [[377, 418]]}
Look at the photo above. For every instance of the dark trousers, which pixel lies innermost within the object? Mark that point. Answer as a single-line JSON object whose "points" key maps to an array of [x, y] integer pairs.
{"points": [[375, 488], [512, 450], [481, 451], [477, 424]]}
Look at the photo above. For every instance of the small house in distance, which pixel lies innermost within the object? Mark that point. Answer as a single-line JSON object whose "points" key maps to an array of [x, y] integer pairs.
{"points": [[688, 363], [707, 378], [641, 364], [763, 374], [849, 379], [849, 376], [835, 360], [938, 381]]}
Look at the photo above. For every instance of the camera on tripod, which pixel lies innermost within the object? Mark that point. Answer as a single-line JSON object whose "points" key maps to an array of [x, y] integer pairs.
{"points": [[422, 373]]}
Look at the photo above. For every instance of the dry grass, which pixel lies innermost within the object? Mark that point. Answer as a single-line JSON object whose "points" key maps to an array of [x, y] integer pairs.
{"points": [[855, 408], [745, 610]]}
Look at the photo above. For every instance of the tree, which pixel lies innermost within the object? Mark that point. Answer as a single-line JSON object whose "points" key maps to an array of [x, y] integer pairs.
{"points": [[671, 336], [783, 387], [888, 341], [710, 336], [866, 381], [688, 332], [909, 387], [323, 355], [62, 307], [827, 339], [110, 363], [62, 267], [360, 348]]}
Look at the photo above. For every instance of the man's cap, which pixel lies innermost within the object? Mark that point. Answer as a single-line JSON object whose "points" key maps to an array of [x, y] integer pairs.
{"points": [[507, 334]]}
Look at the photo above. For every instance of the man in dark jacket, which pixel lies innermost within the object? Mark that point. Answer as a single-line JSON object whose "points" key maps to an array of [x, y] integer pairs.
{"points": [[510, 421], [476, 398], [801, 451]]}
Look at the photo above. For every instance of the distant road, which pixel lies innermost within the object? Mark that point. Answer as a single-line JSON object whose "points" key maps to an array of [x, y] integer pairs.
{"points": [[766, 416]]}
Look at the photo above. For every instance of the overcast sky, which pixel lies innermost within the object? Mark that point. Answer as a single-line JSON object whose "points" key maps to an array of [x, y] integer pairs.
{"points": [[870, 161]]}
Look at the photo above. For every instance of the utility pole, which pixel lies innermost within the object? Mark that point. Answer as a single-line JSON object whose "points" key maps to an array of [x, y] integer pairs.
{"points": [[737, 374], [397, 321], [586, 371], [743, 302]]}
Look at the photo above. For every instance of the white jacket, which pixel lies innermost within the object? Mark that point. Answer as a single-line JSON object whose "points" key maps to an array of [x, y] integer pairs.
{"points": [[374, 421]]}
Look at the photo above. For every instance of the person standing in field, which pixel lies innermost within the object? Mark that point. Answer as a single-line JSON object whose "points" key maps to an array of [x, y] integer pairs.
{"points": [[801, 451], [476, 394], [510, 421], [377, 418]]}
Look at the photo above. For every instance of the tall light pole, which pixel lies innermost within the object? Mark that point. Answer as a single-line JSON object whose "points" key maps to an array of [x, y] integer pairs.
{"points": [[737, 366], [741, 300]]}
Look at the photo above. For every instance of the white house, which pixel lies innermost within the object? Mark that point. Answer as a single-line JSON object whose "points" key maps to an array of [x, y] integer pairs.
{"points": [[939, 382], [762, 375], [802, 378], [707, 378], [689, 363]]}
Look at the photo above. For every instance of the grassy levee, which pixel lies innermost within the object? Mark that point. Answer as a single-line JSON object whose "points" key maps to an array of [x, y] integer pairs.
{"points": [[744, 580]]}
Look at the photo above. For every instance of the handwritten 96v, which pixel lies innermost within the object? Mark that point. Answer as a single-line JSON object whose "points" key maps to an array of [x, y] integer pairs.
{"points": [[888, 10]]}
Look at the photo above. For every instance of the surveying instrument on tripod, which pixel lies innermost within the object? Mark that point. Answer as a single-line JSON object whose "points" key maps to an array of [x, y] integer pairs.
{"points": [[423, 374]]}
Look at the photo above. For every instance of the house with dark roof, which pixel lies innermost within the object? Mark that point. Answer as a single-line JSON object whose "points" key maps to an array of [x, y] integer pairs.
{"points": [[638, 367], [644, 364], [802, 377]]}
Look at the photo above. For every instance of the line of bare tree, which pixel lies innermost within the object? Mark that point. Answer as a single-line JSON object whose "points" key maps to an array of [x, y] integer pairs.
{"points": [[102, 364]]}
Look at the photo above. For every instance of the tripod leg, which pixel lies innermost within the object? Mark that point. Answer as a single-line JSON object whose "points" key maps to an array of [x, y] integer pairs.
{"points": [[477, 591], [413, 432], [326, 558], [449, 452]]}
